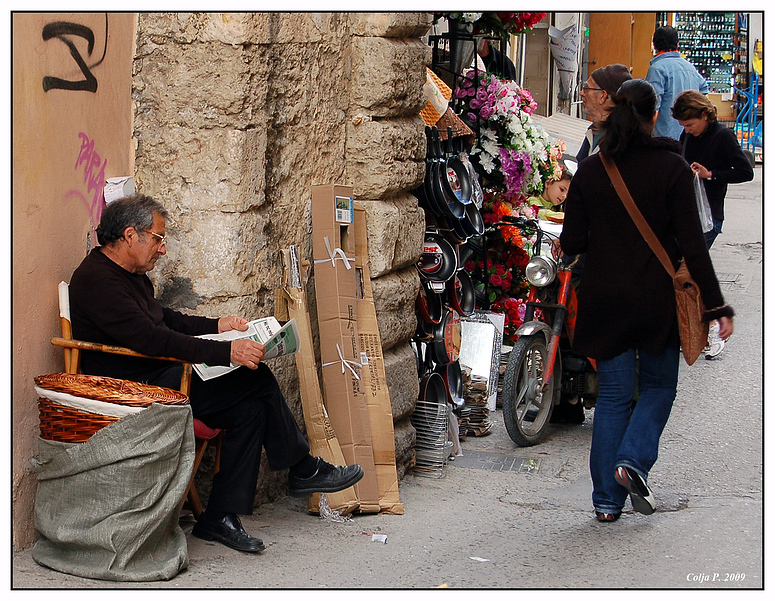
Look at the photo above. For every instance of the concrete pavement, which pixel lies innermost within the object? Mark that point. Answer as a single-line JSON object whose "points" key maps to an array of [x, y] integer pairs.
{"points": [[483, 527]]}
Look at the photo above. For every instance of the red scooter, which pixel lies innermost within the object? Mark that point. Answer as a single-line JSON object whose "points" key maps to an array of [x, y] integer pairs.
{"points": [[544, 377]]}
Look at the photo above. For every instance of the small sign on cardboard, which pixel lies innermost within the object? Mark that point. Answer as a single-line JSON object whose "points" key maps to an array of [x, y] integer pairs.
{"points": [[343, 209]]}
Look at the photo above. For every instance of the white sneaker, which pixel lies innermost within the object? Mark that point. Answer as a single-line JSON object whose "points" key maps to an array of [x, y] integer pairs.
{"points": [[715, 342]]}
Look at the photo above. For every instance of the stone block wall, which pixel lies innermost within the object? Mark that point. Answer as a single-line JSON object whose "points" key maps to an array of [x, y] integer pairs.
{"points": [[237, 115]]}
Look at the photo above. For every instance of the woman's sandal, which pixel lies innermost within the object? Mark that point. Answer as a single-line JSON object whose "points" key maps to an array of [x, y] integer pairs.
{"points": [[604, 516]]}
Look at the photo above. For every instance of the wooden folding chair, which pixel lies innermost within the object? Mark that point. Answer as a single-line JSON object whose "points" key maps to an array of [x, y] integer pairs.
{"points": [[204, 435]]}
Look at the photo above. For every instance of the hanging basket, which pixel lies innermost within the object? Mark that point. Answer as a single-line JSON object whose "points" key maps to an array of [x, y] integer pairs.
{"points": [[72, 407]]}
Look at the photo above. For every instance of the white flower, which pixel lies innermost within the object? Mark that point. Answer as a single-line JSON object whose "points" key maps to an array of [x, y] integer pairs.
{"points": [[471, 17], [486, 162]]}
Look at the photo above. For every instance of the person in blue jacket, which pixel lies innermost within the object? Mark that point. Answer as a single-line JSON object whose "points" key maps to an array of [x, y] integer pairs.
{"points": [[671, 74]]}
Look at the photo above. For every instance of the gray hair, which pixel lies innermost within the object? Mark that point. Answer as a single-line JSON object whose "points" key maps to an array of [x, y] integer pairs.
{"points": [[135, 211]]}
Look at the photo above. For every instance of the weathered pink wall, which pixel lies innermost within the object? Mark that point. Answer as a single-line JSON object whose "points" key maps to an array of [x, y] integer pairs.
{"points": [[66, 142]]}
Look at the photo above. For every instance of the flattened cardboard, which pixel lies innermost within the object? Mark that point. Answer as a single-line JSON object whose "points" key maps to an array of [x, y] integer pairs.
{"points": [[373, 376], [336, 289], [322, 436]]}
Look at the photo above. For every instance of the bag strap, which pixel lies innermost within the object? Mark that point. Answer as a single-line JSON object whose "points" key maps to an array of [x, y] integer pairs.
{"points": [[637, 216]]}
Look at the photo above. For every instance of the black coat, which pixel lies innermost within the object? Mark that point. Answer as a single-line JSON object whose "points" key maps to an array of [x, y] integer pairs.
{"points": [[718, 150], [626, 299]]}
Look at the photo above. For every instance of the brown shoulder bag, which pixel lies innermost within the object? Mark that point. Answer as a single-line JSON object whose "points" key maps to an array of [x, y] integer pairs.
{"points": [[688, 301]]}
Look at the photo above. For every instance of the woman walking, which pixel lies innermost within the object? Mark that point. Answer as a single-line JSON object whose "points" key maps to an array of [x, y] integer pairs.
{"points": [[713, 153], [626, 310]]}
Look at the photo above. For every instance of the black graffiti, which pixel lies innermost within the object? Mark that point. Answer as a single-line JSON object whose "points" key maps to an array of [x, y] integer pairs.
{"points": [[60, 30]]}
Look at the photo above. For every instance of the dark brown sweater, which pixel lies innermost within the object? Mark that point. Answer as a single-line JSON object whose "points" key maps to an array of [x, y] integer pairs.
{"points": [[626, 297], [110, 305]]}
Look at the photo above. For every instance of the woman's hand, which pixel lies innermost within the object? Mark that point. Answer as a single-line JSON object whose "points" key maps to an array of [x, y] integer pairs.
{"points": [[232, 323], [247, 352], [701, 170], [556, 249], [725, 327]]}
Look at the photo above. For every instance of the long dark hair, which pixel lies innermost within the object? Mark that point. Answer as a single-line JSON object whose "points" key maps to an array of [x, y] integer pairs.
{"points": [[630, 122]]}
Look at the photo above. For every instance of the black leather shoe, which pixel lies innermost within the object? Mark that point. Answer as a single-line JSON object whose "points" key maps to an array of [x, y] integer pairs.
{"points": [[327, 478], [228, 531]]}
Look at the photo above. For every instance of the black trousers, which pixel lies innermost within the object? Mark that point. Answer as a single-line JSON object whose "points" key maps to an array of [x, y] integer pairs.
{"points": [[250, 407]]}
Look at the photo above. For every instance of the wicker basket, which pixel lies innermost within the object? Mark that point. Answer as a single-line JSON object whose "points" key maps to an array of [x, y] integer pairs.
{"points": [[64, 423]]}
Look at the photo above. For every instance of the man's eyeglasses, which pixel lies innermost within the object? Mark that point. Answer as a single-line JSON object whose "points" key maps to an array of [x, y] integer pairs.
{"points": [[587, 87], [162, 240]]}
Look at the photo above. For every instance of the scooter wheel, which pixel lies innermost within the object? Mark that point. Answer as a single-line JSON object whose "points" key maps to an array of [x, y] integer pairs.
{"points": [[527, 403]]}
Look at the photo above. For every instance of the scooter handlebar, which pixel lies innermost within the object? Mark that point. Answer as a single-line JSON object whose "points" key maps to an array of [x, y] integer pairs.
{"points": [[520, 221]]}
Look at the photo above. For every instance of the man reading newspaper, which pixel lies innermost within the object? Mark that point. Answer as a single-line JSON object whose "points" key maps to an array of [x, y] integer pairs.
{"points": [[112, 302], [277, 341]]}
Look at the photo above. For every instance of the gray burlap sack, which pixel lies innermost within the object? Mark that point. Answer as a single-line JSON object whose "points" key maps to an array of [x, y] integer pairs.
{"points": [[108, 508]]}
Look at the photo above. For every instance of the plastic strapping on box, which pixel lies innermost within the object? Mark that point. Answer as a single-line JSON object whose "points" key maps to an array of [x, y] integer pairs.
{"points": [[334, 254], [345, 363]]}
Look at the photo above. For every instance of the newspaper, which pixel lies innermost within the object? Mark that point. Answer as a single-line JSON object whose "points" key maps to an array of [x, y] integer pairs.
{"points": [[278, 340]]}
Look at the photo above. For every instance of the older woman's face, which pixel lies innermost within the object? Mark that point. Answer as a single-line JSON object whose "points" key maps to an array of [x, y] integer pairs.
{"points": [[695, 127]]}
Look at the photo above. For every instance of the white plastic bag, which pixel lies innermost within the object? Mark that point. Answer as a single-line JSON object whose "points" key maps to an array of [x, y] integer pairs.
{"points": [[703, 208]]}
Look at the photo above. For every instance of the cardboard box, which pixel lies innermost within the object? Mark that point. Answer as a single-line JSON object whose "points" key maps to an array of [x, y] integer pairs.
{"points": [[292, 303], [336, 291], [373, 376]]}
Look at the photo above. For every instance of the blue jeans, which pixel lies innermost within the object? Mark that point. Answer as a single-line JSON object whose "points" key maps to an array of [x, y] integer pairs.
{"points": [[710, 236], [627, 435]]}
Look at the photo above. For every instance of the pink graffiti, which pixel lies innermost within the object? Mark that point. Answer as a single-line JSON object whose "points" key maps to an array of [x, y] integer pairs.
{"points": [[94, 211], [93, 176]]}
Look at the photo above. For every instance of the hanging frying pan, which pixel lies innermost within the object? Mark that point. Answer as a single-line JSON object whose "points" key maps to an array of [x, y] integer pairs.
{"points": [[426, 193], [446, 198], [445, 346], [453, 382], [423, 192], [425, 331], [472, 221], [429, 304], [461, 295], [455, 230], [439, 259], [458, 177], [471, 250]]}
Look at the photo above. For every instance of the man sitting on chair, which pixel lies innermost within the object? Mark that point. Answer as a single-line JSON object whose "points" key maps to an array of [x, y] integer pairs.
{"points": [[112, 302]]}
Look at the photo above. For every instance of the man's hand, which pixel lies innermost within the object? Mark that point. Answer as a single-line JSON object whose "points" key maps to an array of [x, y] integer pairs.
{"points": [[247, 352], [232, 323]]}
